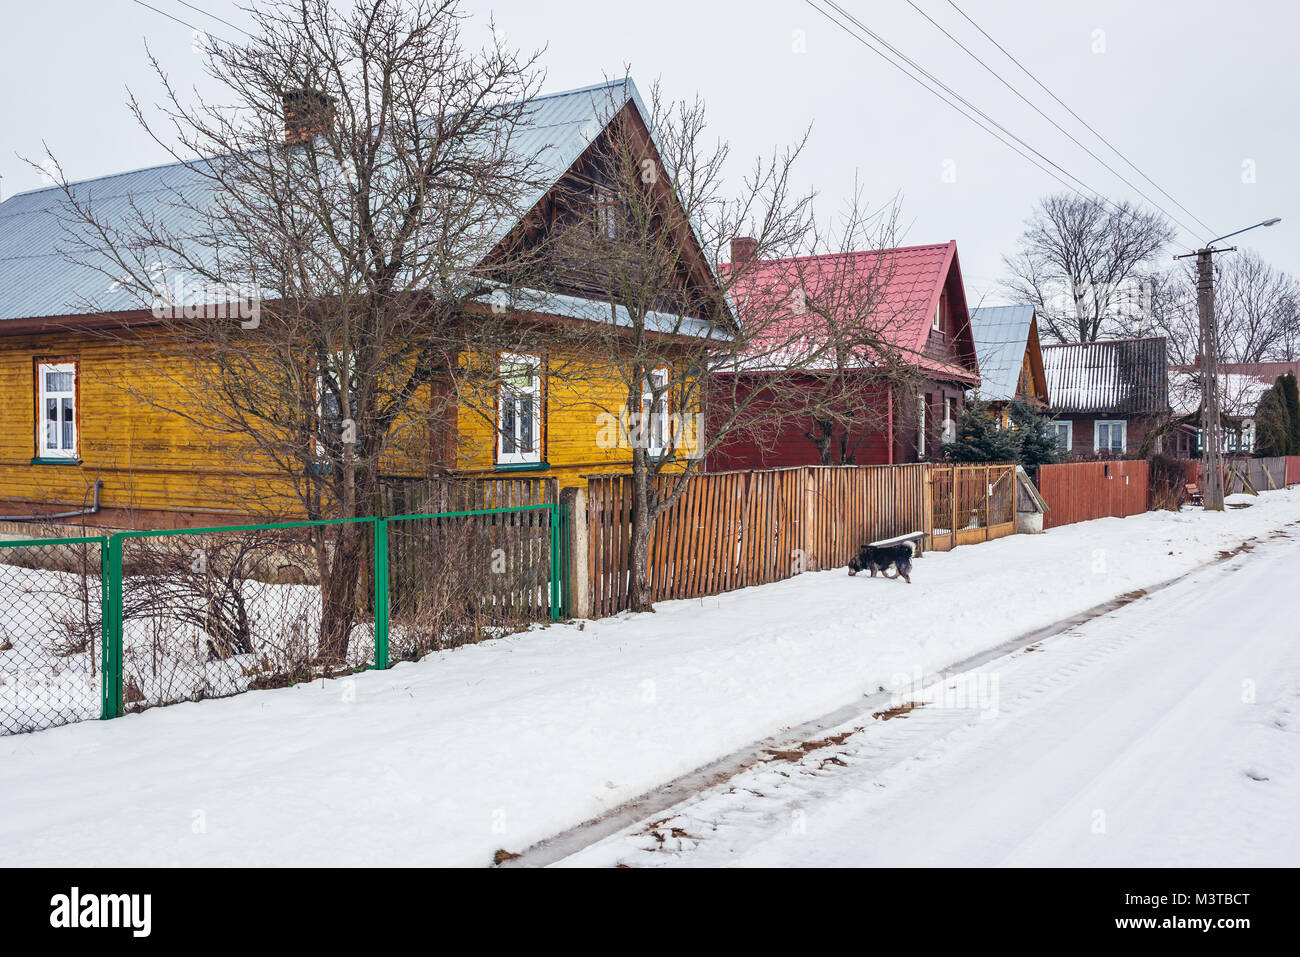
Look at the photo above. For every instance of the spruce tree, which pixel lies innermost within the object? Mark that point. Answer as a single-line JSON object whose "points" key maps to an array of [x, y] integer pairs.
{"points": [[1272, 424], [980, 438], [1037, 443], [1291, 400]]}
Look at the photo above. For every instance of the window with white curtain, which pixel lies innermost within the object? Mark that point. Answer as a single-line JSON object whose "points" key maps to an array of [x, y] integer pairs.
{"points": [[519, 405], [57, 410], [1109, 436], [1064, 432], [655, 411]]}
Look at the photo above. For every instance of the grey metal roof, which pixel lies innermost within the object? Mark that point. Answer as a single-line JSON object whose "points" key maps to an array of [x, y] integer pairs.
{"points": [[1120, 376], [576, 307], [36, 280], [1001, 335]]}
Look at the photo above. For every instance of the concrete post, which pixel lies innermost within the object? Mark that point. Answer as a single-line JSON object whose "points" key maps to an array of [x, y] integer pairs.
{"points": [[579, 573]]}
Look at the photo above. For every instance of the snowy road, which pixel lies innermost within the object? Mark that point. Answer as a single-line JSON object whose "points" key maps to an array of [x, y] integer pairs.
{"points": [[500, 745], [1167, 733]]}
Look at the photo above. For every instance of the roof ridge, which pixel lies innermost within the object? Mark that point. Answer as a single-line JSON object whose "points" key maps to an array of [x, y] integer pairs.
{"points": [[855, 252], [609, 84], [1102, 342], [97, 179]]}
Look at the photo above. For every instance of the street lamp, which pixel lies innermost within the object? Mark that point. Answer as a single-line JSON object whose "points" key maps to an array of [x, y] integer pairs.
{"points": [[1211, 442]]}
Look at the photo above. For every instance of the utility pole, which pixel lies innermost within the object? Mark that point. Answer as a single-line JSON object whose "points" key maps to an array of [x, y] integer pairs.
{"points": [[1211, 419]]}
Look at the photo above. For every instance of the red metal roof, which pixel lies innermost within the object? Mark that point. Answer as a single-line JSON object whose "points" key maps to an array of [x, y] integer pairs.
{"points": [[905, 283]]}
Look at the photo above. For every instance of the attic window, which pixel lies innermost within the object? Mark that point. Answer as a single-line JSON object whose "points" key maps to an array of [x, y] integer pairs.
{"points": [[938, 312], [606, 207]]}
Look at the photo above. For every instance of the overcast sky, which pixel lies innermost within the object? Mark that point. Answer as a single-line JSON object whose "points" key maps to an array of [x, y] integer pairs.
{"points": [[1201, 96]]}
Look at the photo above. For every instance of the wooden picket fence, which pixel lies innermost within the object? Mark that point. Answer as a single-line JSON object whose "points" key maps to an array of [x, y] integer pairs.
{"points": [[970, 504], [1246, 475], [421, 495], [734, 529], [1254, 475], [1082, 491]]}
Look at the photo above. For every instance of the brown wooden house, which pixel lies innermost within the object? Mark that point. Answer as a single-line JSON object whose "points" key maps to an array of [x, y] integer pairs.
{"points": [[1104, 397]]}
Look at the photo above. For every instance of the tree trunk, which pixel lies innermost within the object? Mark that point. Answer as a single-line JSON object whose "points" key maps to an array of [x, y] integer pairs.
{"points": [[339, 594], [642, 522]]}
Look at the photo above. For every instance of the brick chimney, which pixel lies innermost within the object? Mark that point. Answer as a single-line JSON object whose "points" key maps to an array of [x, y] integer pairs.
{"points": [[743, 248], [307, 114]]}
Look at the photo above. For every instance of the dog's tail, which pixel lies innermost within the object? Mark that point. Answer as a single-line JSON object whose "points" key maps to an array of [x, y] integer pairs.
{"points": [[910, 546]]}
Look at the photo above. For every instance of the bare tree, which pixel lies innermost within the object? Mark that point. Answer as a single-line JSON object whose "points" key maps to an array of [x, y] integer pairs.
{"points": [[650, 217], [1078, 262], [1257, 307], [351, 183], [836, 382]]}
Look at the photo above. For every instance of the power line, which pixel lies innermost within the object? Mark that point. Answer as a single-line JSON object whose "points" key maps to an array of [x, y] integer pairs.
{"points": [[938, 26], [186, 23], [941, 97], [988, 120], [1116, 150], [214, 17]]}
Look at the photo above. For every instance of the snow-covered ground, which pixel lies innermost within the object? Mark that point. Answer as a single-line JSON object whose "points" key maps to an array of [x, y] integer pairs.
{"points": [[1166, 733], [504, 743]]}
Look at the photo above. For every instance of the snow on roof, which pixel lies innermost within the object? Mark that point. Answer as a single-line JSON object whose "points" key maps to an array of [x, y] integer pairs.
{"points": [[1117, 376], [1239, 394]]}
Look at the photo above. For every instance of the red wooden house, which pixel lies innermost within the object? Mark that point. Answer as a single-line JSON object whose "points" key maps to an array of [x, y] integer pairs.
{"points": [[906, 414]]}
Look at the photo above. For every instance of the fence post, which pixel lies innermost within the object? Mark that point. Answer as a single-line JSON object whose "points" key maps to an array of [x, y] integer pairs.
{"points": [[110, 669], [577, 552], [556, 570], [381, 593]]}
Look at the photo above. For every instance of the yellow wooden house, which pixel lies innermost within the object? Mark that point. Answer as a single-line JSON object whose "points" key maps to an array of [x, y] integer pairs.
{"points": [[76, 446]]}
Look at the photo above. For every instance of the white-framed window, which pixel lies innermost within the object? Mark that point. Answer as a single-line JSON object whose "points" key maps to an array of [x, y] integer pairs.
{"points": [[56, 405], [519, 410], [949, 424], [654, 412], [1064, 433], [936, 322], [920, 425], [1110, 436], [329, 407]]}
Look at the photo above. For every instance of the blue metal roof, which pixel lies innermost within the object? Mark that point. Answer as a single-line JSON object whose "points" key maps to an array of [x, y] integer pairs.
{"points": [[1001, 335], [37, 279]]}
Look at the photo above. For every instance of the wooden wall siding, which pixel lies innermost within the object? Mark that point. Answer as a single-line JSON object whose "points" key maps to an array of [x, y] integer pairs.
{"points": [[573, 402], [155, 465], [734, 529], [1082, 491]]}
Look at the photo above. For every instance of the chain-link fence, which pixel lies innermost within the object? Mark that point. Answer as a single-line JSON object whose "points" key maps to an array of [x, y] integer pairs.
{"points": [[215, 612], [52, 597], [97, 627]]}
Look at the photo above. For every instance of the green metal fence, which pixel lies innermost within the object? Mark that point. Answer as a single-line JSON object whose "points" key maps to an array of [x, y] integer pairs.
{"points": [[104, 625]]}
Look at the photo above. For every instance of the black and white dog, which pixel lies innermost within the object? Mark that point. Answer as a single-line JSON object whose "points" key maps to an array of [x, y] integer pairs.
{"points": [[880, 560]]}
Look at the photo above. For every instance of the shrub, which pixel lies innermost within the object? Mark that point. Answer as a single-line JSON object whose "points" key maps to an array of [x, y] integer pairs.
{"points": [[1168, 480]]}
